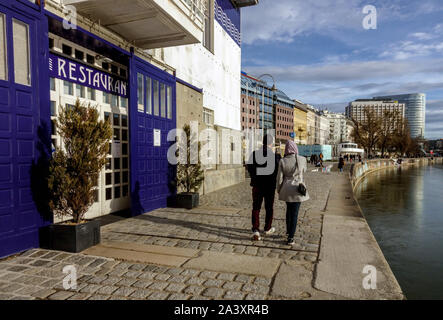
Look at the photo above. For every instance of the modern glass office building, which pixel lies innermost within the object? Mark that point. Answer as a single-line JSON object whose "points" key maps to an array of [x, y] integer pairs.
{"points": [[415, 111]]}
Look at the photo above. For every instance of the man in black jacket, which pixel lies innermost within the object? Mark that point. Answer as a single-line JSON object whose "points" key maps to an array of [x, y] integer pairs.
{"points": [[263, 168]]}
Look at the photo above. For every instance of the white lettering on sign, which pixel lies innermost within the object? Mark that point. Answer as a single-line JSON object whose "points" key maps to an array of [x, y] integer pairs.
{"points": [[157, 138], [78, 73]]}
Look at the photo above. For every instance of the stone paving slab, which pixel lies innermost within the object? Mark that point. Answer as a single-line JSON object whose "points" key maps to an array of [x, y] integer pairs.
{"points": [[234, 263], [136, 256], [340, 268], [209, 210], [292, 281], [180, 252]]}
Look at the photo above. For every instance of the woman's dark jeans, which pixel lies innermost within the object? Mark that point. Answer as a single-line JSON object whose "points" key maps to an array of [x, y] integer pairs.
{"points": [[292, 209]]}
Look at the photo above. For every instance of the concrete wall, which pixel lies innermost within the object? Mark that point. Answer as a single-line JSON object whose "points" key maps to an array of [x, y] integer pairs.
{"points": [[360, 170], [189, 106], [217, 176], [218, 74], [223, 178]]}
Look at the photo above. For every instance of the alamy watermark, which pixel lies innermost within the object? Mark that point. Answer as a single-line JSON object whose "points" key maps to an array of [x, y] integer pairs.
{"points": [[70, 281], [370, 20], [370, 280], [224, 146], [70, 17]]}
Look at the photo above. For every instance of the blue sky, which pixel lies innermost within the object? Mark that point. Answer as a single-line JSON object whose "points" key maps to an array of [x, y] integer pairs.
{"points": [[319, 52]]}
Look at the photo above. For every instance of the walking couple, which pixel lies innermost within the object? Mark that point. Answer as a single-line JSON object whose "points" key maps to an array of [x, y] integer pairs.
{"points": [[269, 172]]}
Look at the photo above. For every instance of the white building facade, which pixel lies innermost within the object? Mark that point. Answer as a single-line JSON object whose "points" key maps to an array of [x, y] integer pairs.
{"points": [[355, 109], [214, 65], [339, 128]]}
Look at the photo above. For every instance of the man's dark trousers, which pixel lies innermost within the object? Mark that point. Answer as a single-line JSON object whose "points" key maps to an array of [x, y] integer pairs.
{"points": [[258, 194]]}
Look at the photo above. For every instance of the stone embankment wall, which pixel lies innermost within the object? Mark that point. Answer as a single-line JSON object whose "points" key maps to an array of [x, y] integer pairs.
{"points": [[360, 170]]}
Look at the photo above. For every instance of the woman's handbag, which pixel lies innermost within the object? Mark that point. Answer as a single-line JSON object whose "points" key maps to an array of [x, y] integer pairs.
{"points": [[302, 189], [301, 186]]}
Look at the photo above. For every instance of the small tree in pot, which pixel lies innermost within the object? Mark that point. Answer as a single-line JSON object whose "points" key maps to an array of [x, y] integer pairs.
{"points": [[73, 172], [190, 175]]}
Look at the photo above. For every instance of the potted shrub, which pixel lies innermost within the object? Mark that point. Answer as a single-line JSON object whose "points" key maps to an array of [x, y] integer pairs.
{"points": [[73, 172], [190, 176]]}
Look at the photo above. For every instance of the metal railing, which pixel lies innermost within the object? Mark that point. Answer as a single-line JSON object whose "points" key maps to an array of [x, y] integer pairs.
{"points": [[198, 8]]}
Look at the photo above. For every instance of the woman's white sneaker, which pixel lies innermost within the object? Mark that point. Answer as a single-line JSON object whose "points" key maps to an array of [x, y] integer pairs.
{"points": [[270, 231]]}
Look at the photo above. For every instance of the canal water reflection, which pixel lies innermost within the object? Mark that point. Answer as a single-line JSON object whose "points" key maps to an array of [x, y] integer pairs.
{"points": [[404, 208]]}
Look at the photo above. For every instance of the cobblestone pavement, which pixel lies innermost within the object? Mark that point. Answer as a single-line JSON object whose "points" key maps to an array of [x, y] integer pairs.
{"points": [[38, 274], [221, 224]]}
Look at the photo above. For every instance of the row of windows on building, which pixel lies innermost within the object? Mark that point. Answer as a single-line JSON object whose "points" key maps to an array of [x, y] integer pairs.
{"points": [[154, 97], [117, 167], [251, 120], [83, 92], [285, 126], [251, 102], [285, 111], [20, 49], [285, 104], [266, 109], [251, 111], [285, 119], [283, 133], [83, 56]]}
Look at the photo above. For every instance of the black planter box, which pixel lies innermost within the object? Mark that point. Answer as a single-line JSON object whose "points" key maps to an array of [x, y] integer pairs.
{"points": [[187, 200], [74, 238]]}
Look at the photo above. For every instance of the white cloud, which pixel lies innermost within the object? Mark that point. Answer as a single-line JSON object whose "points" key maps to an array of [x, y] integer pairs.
{"points": [[419, 47], [284, 19], [422, 35], [349, 71]]}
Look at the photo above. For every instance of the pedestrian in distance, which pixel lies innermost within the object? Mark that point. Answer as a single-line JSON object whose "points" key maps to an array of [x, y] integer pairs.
{"points": [[291, 186], [263, 175], [341, 163]]}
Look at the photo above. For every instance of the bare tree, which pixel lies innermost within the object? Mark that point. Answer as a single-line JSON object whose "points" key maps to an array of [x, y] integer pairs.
{"points": [[388, 125], [402, 141], [367, 132]]}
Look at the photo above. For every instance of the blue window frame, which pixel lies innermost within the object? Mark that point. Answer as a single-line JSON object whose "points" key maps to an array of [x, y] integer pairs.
{"points": [[163, 100], [156, 93], [148, 95], [140, 92], [169, 101], [21, 51], [3, 52]]}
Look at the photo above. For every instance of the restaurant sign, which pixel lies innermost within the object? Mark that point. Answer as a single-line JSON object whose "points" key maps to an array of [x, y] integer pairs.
{"points": [[69, 70]]}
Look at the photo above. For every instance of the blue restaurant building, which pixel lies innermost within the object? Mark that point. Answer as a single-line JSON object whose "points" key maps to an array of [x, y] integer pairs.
{"points": [[46, 63]]}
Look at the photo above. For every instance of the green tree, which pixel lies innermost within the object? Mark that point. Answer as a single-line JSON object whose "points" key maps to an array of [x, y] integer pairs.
{"points": [[75, 167], [190, 175]]}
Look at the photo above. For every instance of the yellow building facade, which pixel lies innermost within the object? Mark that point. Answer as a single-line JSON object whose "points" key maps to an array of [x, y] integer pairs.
{"points": [[300, 123]]}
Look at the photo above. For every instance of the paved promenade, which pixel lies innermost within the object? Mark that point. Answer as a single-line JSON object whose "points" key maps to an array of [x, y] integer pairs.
{"points": [[207, 253]]}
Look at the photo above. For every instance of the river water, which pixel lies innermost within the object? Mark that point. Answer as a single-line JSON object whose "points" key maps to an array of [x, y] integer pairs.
{"points": [[404, 208]]}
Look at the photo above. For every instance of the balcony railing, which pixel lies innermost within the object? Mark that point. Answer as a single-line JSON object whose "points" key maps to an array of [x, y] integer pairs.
{"points": [[197, 7], [148, 24]]}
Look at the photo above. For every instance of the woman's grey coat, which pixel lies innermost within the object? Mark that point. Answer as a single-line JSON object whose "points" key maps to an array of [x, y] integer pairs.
{"points": [[289, 177]]}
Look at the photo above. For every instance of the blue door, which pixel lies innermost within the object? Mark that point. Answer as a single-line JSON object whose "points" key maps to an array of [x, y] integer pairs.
{"points": [[21, 57], [152, 116]]}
